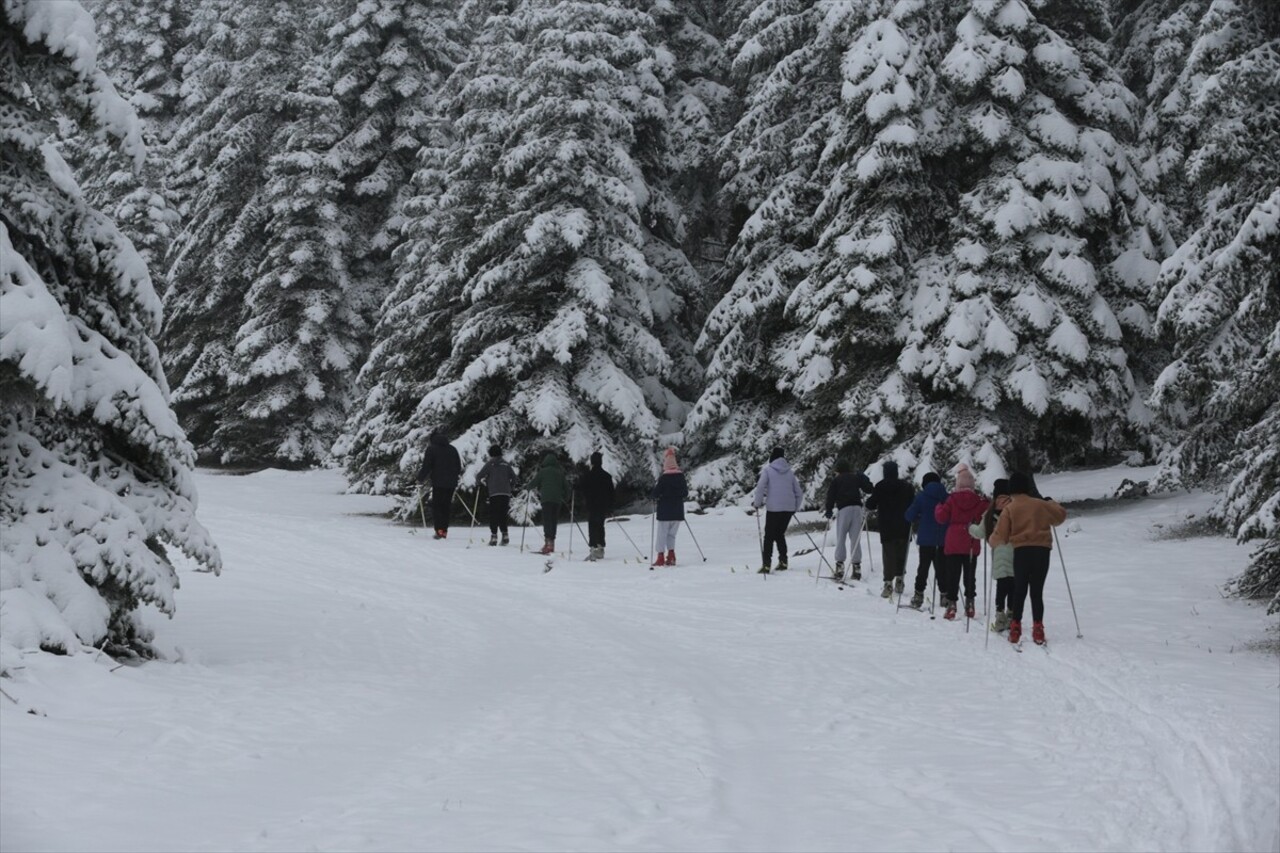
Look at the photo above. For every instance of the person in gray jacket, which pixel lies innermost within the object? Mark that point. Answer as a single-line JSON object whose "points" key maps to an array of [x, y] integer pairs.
{"points": [[499, 479], [779, 492]]}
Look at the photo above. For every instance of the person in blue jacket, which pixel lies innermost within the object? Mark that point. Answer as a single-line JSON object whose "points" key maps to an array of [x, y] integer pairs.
{"points": [[930, 535]]}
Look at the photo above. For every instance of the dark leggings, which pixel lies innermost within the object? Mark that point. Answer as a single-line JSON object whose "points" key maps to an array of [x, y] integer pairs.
{"points": [[595, 529], [775, 530], [550, 518], [957, 565], [894, 552], [930, 555], [1004, 592], [441, 503], [499, 508], [1030, 570]]}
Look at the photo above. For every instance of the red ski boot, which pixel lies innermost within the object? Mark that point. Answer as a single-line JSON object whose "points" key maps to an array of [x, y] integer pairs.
{"points": [[661, 561], [1037, 633], [671, 558], [1015, 631], [951, 610]]}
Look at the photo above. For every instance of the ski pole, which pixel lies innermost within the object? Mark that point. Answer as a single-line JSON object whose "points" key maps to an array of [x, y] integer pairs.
{"points": [[422, 509], [695, 541], [871, 557], [760, 538], [1063, 560], [818, 576], [986, 599], [524, 522], [653, 536], [933, 597], [573, 497], [639, 553], [475, 508], [820, 554]]}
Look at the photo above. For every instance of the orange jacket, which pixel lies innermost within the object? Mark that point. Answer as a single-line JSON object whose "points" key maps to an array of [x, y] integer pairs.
{"points": [[1027, 521]]}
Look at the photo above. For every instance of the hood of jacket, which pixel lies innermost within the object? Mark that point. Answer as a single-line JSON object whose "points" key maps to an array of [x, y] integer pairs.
{"points": [[936, 492], [781, 465], [437, 438], [550, 461], [966, 500]]}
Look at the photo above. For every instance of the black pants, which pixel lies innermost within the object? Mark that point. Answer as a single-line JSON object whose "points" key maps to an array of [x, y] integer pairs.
{"points": [[894, 552], [930, 555], [957, 565], [595, 528], [441, 503], [1004, 593], [550, 518], [1030, 571], [499, 509], [775, 530]]}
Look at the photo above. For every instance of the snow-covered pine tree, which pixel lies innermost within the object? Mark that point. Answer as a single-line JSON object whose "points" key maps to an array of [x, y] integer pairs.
{"points": [[527, 311], [240, 62], [96, 481], [1021, 328], [1219, 123]]}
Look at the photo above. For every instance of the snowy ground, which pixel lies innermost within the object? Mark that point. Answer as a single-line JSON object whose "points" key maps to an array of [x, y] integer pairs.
{"points": [[348, 684]]}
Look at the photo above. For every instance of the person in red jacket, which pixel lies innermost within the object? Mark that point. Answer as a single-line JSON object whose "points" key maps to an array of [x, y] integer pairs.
{"points": [[960, 551]]}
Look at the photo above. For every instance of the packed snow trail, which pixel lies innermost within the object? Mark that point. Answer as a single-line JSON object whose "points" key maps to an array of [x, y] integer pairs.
{"points": [[349, 684]]}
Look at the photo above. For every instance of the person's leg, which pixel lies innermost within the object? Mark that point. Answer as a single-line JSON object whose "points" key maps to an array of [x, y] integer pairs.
{"points": [[550, 518], [855, 531], [493, 514], [1021, 577], [771, 522], [1037, 574], [783, 522], [922, 568], [595, 529], [1004, 593], [501, 509], [441, 501], [673, 527], [970, 566], [844, 518]]}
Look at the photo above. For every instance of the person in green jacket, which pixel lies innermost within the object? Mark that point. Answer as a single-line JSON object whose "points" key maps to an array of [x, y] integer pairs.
{"points": [[1001, 555], [553, 490]]}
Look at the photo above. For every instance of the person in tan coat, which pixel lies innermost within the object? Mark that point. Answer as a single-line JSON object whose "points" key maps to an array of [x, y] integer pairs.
{"points": [[1027, 524]]}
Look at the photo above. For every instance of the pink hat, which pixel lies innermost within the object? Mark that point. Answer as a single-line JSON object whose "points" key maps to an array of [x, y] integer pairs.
{"points": [[964, 477], [669, 465]]}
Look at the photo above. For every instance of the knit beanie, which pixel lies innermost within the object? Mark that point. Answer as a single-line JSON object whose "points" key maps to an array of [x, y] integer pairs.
{"points": [[669, 465], [495, 451], [931, 477], [1019, 483], [890, 469], [776, 453], [842, 466], [1001, 487], [597, 459], [964, 477]]}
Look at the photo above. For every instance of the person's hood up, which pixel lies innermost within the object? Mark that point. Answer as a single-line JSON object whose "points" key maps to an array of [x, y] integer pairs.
{"points": [[550, 461], [890, 470], [438, 439], [781, 465], [936, 492], [966, 500]]}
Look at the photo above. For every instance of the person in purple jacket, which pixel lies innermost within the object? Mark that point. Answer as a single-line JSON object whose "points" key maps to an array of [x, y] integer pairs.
{"points": [[930, 534], [779, 492]]}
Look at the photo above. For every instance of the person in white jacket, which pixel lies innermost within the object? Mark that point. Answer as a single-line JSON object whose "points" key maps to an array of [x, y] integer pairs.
{"points": [[779, 492]]}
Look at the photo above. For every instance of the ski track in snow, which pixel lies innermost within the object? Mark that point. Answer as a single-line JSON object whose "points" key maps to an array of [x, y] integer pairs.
{"points": [[349, 684]]}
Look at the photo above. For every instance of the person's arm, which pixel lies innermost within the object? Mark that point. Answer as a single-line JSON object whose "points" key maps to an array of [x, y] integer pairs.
{"points": [[424, 471], [942, 512], [912, 515], [797, 491], [482, 479], [864, 483], [831, 498], [1057, 513], [873, 500], [1004, 527], [762, 489], [608, 490]]}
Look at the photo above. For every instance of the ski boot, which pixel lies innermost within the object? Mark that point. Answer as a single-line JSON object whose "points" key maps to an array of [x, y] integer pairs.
{"points": [[440, 534], [855, 572], [671, 558], [887, 592], [599, 552], [1015, 631], [838, 574], [548, 547], [591, 556], [493, 540], [1037, 633], [1001, 622], [505, 539], [764, 569], [969, 610], [661, 560], [917, 600], [782, 566], [950, 611], [897, 585]]}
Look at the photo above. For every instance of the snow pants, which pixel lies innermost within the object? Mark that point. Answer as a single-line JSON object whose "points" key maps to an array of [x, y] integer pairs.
{"points": [[957, 565], [930, 555], [667, 536], [499, 509], [550, 520], [849, 529], [894, 552], [775, 532], [595, 528], [1030, 571], [1004, 593], [441, 503]]}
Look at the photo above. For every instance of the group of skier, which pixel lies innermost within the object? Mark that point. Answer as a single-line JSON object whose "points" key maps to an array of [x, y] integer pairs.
{"points": [[950, 527]]}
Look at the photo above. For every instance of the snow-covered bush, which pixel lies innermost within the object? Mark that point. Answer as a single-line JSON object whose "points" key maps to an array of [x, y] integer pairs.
{"points": [[96, 478]]}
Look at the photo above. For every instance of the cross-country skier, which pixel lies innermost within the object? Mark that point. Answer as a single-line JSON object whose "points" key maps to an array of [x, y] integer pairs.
{"points": [[963, 507], [442, 465], [553, 490], [1001, 555], [930, 535], [779, 492], [890, 499], [498, 478], [844, 498], [668, 495], [1027, 523], [597, 487]]}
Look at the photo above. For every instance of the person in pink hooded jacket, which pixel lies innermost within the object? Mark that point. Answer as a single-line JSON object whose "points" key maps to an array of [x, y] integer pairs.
{"points": [[960, 551]]}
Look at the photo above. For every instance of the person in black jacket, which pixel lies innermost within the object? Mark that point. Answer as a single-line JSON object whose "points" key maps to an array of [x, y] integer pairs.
{"points": [[442, 465], [597, 487], [668, 495], [844, 499], [890, 499], [499, 479]]}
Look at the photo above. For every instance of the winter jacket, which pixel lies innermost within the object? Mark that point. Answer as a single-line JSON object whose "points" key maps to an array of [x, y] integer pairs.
{"points": [[1028, 521], [441, 464], [890, 499], [930, 532], [778, 490], [670, 492], [498, 477], [846, 490], [962, 508], [550, 481], [597, 488], [1001, 555]]}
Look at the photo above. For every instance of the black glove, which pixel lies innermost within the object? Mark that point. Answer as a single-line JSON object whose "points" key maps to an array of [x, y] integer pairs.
{"points": [[828, 514]]}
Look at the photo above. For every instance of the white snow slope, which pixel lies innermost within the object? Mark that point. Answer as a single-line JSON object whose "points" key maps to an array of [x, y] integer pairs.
{"points": [[348, 684]]}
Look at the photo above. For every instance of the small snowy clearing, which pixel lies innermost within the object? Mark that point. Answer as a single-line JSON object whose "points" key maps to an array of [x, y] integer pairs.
{"points": [[349, 684]]}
